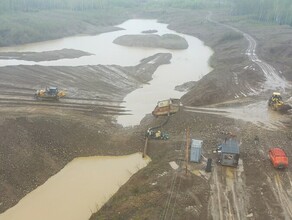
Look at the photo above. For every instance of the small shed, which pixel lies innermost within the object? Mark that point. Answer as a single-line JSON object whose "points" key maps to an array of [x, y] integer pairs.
{"points": [[196, 150], [229, 152]]}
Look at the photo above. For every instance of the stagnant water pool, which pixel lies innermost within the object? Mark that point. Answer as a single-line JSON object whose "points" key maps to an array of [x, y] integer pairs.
{"points": [[85, 184], [186, 65]]}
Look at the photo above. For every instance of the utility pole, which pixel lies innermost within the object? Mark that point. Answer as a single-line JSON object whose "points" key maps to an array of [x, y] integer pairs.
{"points": [[145, 148], [187, 148]]}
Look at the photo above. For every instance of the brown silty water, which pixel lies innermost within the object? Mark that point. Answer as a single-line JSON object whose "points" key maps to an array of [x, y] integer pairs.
{"points": [[78, 190], [257, 113]]}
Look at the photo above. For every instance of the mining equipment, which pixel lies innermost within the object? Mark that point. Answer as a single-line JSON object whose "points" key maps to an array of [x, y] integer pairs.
{"points": [[167, 107], [276, 103], [49, 93]]}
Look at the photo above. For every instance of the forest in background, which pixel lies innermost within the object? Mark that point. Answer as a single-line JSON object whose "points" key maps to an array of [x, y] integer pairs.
{"points": [[24, 21]]}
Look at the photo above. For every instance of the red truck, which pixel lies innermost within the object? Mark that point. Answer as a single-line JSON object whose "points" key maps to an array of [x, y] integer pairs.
{"points": [[278, 158]]}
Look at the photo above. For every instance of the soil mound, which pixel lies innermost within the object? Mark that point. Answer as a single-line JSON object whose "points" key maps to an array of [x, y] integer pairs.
{"points": [[167, 41]]}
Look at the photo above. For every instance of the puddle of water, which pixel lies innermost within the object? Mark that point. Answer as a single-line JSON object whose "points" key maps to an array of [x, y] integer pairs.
{"points": [[257, 113], [78, 190]]}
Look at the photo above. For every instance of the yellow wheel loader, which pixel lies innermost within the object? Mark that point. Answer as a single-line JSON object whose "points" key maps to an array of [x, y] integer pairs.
{"points": [[277, 104]]}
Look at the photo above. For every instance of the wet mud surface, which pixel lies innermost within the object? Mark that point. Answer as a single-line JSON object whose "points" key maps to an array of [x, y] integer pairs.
{"points": [[44, 56], [39, 138], [168, 41]]}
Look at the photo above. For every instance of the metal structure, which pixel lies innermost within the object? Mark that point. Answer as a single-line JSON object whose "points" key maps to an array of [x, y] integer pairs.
{"points": [[49, 93], [228, 152], [277, 104], [157, 134], [196, 150], [166, 107]]}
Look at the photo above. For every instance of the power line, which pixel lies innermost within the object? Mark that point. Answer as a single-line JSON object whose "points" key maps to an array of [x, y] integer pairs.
{"points": [[172, 191]]}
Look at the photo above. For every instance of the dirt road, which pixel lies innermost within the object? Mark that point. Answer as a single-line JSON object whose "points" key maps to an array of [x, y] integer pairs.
{"points": [[39, 138]]}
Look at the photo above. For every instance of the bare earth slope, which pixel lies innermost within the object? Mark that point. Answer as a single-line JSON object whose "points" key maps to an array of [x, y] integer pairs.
{"points": [[168, 41], [38, 139]]}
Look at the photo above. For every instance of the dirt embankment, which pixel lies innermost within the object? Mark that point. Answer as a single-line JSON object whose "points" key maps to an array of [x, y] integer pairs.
{"points": [[44, 56], [243, 193], [110, 82], [229, 77], [167, 41], [273, 41], [36, 143], [39, 138]]}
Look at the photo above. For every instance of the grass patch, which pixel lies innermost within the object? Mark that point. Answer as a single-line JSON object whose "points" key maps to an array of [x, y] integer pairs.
{"points": [[230, 36]]}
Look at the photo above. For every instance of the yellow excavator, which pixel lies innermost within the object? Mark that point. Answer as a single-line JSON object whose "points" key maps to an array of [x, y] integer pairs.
{"points": [[277, 104], [49, 93]]}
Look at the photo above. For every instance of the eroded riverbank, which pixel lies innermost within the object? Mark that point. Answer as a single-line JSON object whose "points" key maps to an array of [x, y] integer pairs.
{"points": [[154, 181]]}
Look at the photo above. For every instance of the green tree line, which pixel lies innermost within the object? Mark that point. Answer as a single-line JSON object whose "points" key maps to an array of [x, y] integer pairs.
{"points": [[275, 11], [82, 5], [75, 5]]}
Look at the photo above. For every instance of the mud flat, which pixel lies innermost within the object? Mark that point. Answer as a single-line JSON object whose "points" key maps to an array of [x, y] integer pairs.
{"points": [[44, 56], [167, 41]]}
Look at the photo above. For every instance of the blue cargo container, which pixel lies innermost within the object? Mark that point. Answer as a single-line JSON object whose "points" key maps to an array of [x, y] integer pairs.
{"points": [[229, 152], [196, 150]]}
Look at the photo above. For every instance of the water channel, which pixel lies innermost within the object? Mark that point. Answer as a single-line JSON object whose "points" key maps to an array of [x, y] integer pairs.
{"points": [[186, 65], [85, 184]]}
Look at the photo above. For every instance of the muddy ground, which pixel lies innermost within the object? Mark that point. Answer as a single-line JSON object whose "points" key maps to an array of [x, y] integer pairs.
{"points": [[38, 139]]}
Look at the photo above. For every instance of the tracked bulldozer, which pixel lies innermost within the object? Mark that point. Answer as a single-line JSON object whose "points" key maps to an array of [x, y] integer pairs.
{"points": [[276, 103], [49, 93]]}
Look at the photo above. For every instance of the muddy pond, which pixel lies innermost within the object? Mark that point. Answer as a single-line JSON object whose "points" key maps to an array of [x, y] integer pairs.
{"points": [[186, 65], [85, 184], [78, 190]]}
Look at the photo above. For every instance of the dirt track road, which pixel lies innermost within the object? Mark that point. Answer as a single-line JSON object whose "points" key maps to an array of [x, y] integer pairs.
{"points": [[40, 138], [273, 80], [230, 197]]}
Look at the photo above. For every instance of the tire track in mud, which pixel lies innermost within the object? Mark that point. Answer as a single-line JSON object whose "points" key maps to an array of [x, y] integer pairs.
{"points": [[276, 189], [13, 96], [281, 191], [101, 106], [256, 113], [84, 81], [273, 80], [216, 196], [35, 108], [95, 88], [228, 199]]}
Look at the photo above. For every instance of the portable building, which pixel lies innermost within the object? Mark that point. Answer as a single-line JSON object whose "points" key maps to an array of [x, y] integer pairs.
{"points": [[229, 152], [196, 150]]}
